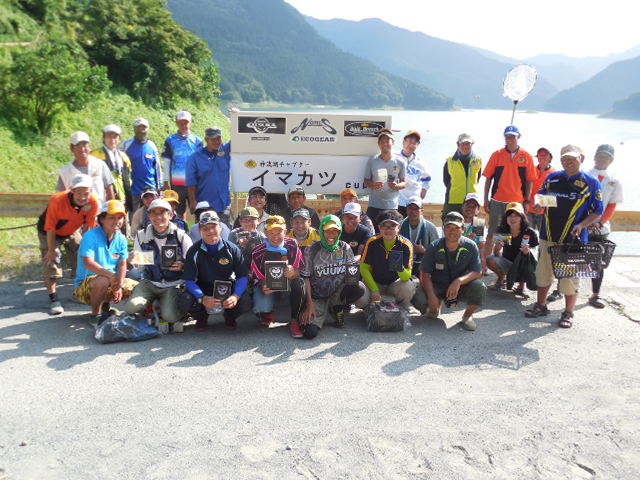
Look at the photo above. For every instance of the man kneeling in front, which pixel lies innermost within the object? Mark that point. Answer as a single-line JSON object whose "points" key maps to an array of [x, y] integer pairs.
{"points": [[451, 270]]}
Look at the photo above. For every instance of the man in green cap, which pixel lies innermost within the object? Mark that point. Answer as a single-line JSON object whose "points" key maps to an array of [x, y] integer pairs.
{"points": [[331, 277]]}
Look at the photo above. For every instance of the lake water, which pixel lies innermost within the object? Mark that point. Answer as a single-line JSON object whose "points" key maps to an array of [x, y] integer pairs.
{"points": [[552, 130]]}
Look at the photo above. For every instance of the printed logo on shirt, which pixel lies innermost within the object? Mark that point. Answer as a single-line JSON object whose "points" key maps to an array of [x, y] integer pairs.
{"points": [[148, 155], [223, 261], [116, 255]]}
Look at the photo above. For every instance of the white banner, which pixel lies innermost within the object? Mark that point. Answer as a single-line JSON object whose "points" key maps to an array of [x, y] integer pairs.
{"points": [[324, 153], [315, 173]]}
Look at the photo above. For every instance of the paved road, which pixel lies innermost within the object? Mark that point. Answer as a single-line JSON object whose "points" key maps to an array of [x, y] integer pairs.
{"points": [[518, 398]]}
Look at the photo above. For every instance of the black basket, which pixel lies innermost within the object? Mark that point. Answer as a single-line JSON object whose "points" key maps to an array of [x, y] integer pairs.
{"points": [[609, 248], [582, 260]]}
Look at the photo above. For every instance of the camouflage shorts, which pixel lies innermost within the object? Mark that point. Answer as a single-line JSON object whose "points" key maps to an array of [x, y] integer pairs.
{"points": [[83, 291]]}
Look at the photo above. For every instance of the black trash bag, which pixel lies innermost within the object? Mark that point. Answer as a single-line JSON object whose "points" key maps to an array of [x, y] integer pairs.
{"points": [[125, 328], [385, 317]]}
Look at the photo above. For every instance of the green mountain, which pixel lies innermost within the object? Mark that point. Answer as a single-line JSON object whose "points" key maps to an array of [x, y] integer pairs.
{"points": [[628, 109], [598, 94], [266, 51], [469, 75]]}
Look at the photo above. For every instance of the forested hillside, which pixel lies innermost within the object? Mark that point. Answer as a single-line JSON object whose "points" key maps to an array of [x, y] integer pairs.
{"points": [[266, 51], [68, 65]]}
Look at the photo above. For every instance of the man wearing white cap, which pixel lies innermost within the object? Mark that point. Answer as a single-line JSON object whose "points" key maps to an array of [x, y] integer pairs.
{"points": [[461, 174], [418, 177], [146, 170], [354, 233], [67, 216], [103, 263], [118, 163], [579, 205], [177, 149], [84, 162], [167, 245]]}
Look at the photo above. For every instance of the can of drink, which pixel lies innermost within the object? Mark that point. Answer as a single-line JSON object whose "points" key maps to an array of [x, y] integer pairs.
{"points": [[525, 241], [163, 327]]}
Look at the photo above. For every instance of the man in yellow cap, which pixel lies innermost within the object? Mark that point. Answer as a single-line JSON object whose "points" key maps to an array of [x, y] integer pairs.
{"points": [[102, 267], [172, 197]]}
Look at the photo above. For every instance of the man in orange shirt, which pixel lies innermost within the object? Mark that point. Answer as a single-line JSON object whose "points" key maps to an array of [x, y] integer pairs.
{"points": [[543, 169], [60, 224], [509, 176]]}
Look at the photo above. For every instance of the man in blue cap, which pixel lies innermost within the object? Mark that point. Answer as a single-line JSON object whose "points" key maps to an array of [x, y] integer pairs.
{"points": [[509, 176]]}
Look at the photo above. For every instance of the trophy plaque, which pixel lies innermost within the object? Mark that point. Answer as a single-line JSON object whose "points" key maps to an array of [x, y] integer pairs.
{"points": [[274, 276], [395, 261], [169, 254], [352, 274], [222, 289]]}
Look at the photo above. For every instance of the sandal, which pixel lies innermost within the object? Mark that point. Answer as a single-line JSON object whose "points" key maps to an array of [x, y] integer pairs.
{"points": [[537, 311], [496, 287], [565, 320], [519, 292]]}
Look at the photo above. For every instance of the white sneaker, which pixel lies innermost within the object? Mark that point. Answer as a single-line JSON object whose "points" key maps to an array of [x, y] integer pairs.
{"points": [[55, 308], [469, 324]]}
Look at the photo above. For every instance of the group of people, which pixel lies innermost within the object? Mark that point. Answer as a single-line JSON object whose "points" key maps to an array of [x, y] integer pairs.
{"points": [[325, 267]]}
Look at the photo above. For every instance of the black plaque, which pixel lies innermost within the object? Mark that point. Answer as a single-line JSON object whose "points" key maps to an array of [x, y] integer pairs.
{"points": [[352, 274], [395, 261], [169, 254], [274, 276], [222, 289]]}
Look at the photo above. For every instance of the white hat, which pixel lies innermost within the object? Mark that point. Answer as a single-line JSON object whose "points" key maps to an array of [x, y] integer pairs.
{"points": [[183, 115], [160, 203], [112, 127], [202, 205], [81, 180], [472, 196], [416, 200], [141, 121], [77, 137], [570, 151], [353, 208]]}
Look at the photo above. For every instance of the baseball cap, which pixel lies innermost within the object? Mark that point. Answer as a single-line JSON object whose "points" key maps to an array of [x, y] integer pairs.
{"points": [[385, 132], [301, 212], [413, 133], [348, 192], [544, 149], [213, 132], [249, 212], [77, 137], [606, 148], [353, 208], [331, 224], [472, 196], [389, 216], [81, 180], [512, 130], [295, 189], [112, 207], [112, 127], [141, 121], [465, 137], [570, 151], [275, 221], [209, 217], [171, 196], [257, 189], [149, 190], [516, 207], [453, 218], [417, 201], [202, 205], [183, 115], [160, 203]]}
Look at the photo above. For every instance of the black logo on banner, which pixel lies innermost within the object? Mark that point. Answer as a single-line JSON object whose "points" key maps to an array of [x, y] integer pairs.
{"points": [[263, 125], [355, 128], [324, 123]]}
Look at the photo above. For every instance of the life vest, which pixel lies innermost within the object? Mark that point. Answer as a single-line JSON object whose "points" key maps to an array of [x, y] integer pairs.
{"points": [[461, 183]]}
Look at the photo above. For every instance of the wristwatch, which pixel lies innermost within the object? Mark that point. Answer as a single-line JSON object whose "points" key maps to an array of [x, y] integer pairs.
{"points": [[200, 299]]}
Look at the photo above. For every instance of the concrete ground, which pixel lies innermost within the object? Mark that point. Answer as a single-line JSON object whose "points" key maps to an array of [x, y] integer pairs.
{"points": [[518, 398]]}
